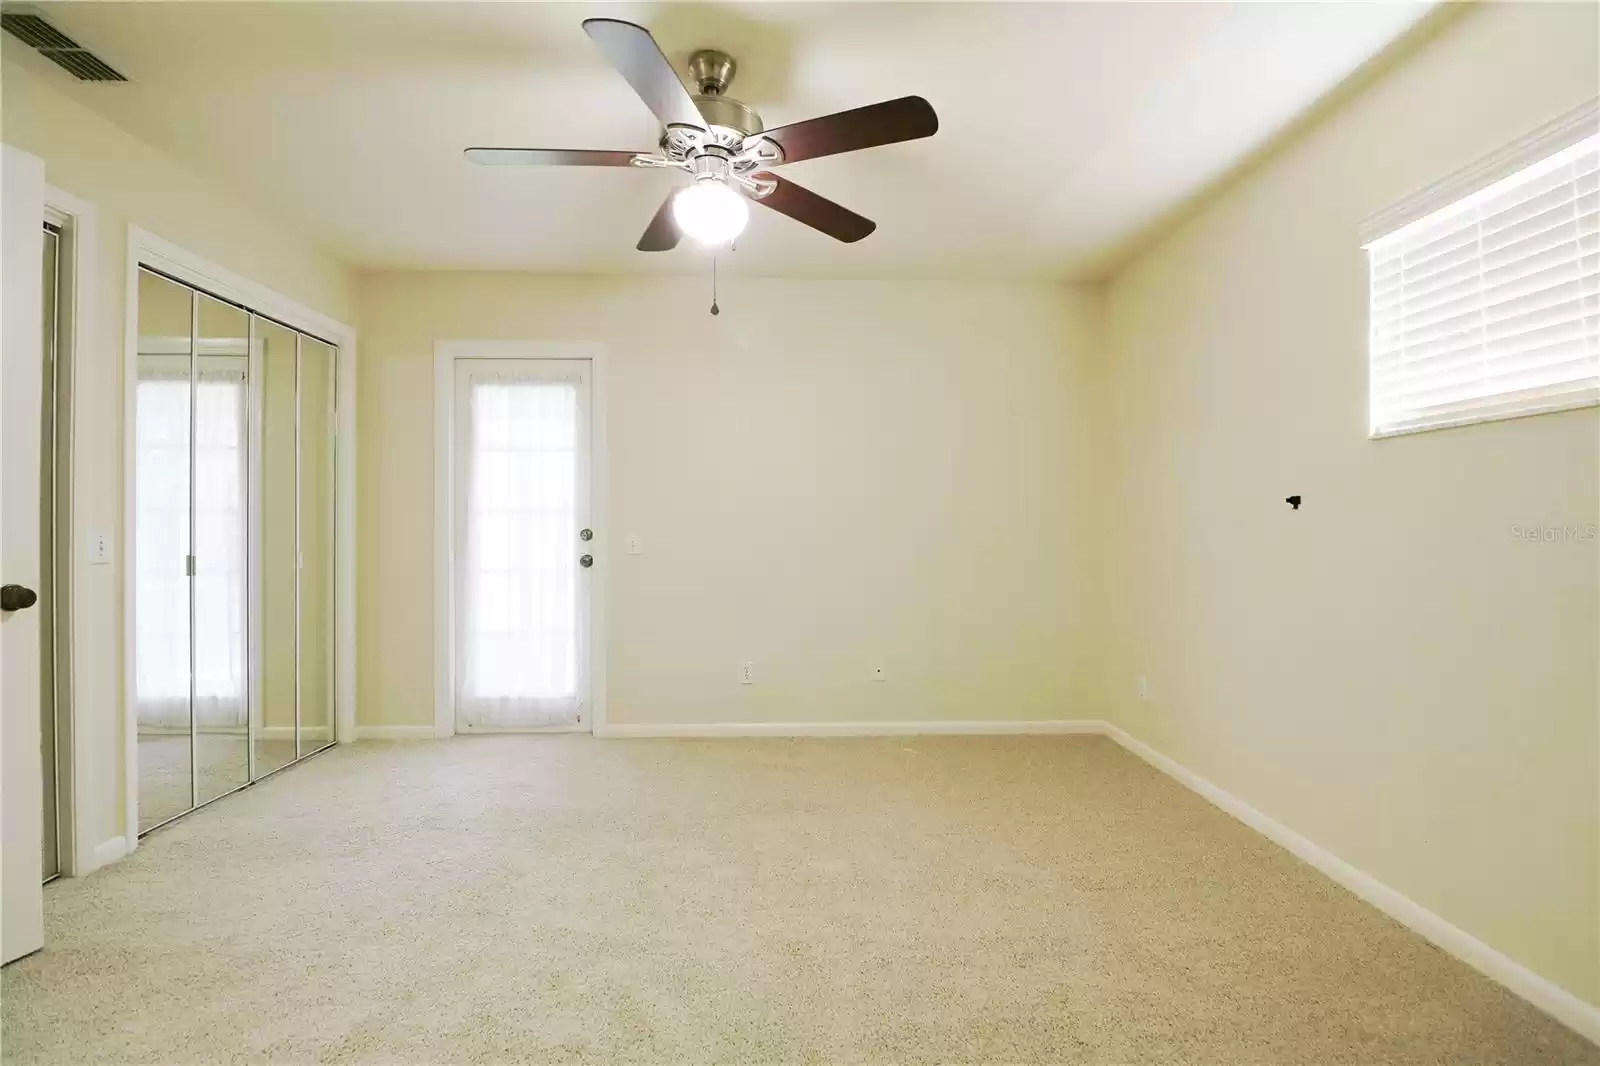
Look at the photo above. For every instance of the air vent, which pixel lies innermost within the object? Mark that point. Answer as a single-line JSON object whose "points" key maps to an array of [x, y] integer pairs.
{"points": [[57, 47]]}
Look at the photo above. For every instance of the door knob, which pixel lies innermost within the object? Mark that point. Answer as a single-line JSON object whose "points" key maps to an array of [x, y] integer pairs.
{"points": [[586, 534], [17, 597], [586, 561]]}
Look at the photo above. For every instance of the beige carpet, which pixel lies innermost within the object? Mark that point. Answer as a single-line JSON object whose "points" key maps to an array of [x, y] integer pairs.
{"points": [[560, 899]]}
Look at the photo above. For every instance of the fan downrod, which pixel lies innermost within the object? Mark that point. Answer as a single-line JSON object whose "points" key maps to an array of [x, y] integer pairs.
{"points": [[712, 71]]}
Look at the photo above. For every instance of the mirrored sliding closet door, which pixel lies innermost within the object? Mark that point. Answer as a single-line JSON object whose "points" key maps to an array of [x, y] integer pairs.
{"points": [[233, 585]]}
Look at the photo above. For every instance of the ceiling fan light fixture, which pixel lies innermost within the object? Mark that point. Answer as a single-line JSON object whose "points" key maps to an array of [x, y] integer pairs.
{"points": [[709, 212]]}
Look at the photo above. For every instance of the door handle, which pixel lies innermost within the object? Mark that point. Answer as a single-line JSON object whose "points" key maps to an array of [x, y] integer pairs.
{"points": [[586, 561], [17, 597]]}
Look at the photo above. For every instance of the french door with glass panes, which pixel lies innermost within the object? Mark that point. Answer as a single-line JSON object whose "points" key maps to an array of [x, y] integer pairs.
{"points": [[522, 546]]}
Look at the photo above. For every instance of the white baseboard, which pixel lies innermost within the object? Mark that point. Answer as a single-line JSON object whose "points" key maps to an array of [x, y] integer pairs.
{"points": [[395, 732], [266, 732], [286, 732], [1541, 992], [620, 730], [108, 852]]}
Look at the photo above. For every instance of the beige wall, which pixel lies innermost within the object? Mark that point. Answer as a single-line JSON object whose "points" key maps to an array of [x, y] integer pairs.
{"points": [[826, 474], [129, 182], [1388, 671]]}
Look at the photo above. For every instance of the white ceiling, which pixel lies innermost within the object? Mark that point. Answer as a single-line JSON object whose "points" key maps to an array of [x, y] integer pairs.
{"points": [[1066, 130]]}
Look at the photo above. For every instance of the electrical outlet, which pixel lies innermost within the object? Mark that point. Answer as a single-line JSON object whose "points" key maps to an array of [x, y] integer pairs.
{"points": [[99, 549], [879, 671], [1142, 686], [747, 673]]}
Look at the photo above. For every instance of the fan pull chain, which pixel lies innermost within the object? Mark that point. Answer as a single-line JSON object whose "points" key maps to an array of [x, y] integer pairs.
{"points": [[714, 308]]}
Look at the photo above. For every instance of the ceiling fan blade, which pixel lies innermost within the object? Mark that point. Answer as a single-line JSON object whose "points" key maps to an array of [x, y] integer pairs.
{"points": [[638, 58], [548, 157], [890, 122], [818, 212], [662, 233]]}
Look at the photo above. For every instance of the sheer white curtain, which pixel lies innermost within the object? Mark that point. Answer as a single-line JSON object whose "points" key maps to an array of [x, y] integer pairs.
{"points": [[517, 626], [162, 537]]}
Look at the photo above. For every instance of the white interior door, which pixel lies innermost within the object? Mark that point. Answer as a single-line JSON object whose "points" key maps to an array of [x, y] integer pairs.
{"points": [[521, 541], [21, 400]]}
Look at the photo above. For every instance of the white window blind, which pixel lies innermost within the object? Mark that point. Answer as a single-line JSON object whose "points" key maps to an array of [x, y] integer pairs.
{"points": [[1490, 307]]}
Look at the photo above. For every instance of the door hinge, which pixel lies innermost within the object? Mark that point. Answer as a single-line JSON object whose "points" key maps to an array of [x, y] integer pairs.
{"points": [[188, 565]]}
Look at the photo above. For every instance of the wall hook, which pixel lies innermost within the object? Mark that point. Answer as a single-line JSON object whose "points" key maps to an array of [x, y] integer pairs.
{"points": [[1292, 501]]}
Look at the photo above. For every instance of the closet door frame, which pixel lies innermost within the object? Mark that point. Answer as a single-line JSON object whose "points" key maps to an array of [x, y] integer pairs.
{"points": [[148, 251], [80, 686]]}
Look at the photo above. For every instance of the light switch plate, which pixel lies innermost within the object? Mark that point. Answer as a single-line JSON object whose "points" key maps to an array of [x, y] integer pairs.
{"points": [[633, 544], [99, 549]]}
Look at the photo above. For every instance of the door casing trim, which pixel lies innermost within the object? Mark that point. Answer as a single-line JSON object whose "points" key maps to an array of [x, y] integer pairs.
{"points": [[77, 853], [445, 355]]}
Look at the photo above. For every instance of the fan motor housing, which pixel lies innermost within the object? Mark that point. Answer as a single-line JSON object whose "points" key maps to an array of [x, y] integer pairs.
{"points": [[724, 113], [731, 121]]}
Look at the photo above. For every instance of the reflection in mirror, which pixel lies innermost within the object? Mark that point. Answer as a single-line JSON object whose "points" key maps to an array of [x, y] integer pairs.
{"points": [[316, 525], [221, 474], [275, 611], [161, 538], [316, 544]]}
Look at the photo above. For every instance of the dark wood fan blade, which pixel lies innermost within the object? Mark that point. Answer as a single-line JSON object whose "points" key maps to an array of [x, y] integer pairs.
{"points": [[890, 122], [548, 157], [638, 58], [818, 212], [662, 233]]}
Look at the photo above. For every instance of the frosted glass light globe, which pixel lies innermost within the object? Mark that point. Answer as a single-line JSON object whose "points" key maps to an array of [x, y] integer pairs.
{"points": [[710, 213]]}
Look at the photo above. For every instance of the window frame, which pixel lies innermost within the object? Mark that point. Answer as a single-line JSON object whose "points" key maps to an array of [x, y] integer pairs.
{"points": [[1560, 133]]}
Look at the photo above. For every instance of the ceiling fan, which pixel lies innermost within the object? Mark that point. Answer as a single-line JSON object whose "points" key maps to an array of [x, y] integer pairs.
{"points": [[723, 143]]}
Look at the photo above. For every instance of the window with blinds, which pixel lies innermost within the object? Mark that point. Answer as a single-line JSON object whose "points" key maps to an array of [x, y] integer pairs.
{"points": [[1490, 307]]}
